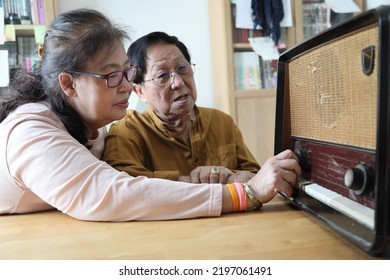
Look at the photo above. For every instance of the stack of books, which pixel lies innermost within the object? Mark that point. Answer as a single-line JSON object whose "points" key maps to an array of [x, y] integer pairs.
{"points": [[247, 70], [252, 72], [23, 11]]}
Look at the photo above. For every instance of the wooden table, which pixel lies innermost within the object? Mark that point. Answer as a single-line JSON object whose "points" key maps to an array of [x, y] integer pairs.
{"points": [[278, 232]]}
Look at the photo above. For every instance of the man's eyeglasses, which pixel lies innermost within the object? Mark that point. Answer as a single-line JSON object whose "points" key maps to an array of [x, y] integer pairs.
{"points": [[113, 79], [166, 77]]}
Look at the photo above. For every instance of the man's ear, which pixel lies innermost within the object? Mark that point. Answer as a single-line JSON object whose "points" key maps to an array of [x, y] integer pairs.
{"points": [[139, 90], [66, 83]]}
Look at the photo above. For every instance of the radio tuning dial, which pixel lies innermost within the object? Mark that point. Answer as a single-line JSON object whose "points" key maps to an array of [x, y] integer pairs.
{"points": [[357, 179], [302, 158]]}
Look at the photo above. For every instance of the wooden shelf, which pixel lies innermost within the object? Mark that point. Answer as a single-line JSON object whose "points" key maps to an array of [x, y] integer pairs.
{"points": [[51, 11], [242, 46], [22, 30], [36, 31]]}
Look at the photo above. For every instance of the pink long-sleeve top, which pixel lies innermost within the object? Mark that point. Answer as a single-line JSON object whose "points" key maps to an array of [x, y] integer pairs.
{"points": [[43, 167]]}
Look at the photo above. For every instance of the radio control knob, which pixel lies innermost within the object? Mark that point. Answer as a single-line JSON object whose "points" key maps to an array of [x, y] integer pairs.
{"points": [[302, 158], [357, 179]]}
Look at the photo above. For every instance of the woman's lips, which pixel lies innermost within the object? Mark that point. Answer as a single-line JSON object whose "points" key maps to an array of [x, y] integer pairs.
{"points": [[123, 104]]}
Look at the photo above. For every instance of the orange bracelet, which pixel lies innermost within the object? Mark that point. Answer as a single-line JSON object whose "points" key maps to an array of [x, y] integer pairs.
{"points": [[241, 195], [234, 196]]}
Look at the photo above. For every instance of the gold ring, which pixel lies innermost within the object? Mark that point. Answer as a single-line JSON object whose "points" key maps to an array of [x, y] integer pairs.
{"points": [[214, 170]]}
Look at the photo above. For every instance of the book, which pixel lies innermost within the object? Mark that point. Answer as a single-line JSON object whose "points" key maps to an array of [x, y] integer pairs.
{"points": [[34, 11], [2, 30], [247, 70], [25, 11], [41, 12]]}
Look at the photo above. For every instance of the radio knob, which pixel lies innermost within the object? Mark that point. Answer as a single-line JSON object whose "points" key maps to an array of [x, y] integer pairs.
{"points": [[302, 158], [357, 179]]}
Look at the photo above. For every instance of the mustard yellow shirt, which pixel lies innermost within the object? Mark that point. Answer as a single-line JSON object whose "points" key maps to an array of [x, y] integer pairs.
{"points": [[141, 144]]}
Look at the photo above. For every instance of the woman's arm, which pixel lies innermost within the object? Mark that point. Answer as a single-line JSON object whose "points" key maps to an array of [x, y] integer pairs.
{"points": [[44, 158]]}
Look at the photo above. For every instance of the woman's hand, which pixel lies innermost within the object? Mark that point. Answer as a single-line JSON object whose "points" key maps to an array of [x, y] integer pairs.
{"points": [[239, 176], [278, 174]]}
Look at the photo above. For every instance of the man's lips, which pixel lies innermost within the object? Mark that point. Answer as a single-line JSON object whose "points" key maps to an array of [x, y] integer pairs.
{"points": [[181, 97]]}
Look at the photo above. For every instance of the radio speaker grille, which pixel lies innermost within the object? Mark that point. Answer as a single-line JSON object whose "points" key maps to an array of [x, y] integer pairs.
{"points": [[331, 98]]}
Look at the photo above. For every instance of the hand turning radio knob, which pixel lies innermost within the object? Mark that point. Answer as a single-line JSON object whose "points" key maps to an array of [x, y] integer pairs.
{"points": [[357, 179]]}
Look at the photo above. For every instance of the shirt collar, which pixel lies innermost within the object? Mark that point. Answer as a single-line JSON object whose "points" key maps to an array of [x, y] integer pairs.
{"points": [[163, 125]]}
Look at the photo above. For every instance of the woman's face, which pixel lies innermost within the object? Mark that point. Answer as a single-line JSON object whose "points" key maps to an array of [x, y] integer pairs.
{"points": [[98, 104], [172, 100]]}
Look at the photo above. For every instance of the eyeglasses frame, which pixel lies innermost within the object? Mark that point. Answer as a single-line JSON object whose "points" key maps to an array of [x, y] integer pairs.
{"points": [[192, 65], [101, 76]]}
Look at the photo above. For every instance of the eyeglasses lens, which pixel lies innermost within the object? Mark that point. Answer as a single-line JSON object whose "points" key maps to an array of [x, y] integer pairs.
{"points": [[115, 79], [165, 78]]}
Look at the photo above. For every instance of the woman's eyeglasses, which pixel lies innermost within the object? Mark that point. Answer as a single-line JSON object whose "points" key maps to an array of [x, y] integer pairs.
{"points": [[113, 79]]}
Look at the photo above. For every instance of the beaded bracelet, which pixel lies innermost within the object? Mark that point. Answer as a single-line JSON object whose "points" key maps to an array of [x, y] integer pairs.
{"points": [[253, 198], [234, 196]]}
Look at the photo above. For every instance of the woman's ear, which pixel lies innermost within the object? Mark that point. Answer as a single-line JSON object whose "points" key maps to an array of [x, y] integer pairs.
{"points": [[66, 83], [139, 90]]}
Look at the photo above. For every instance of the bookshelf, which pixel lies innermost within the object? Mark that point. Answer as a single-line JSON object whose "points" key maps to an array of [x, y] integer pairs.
{"points": [[22, 36], [252, 109]]}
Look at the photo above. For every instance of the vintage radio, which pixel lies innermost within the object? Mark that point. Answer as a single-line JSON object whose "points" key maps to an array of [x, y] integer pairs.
{"points": [[333, 111]]}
